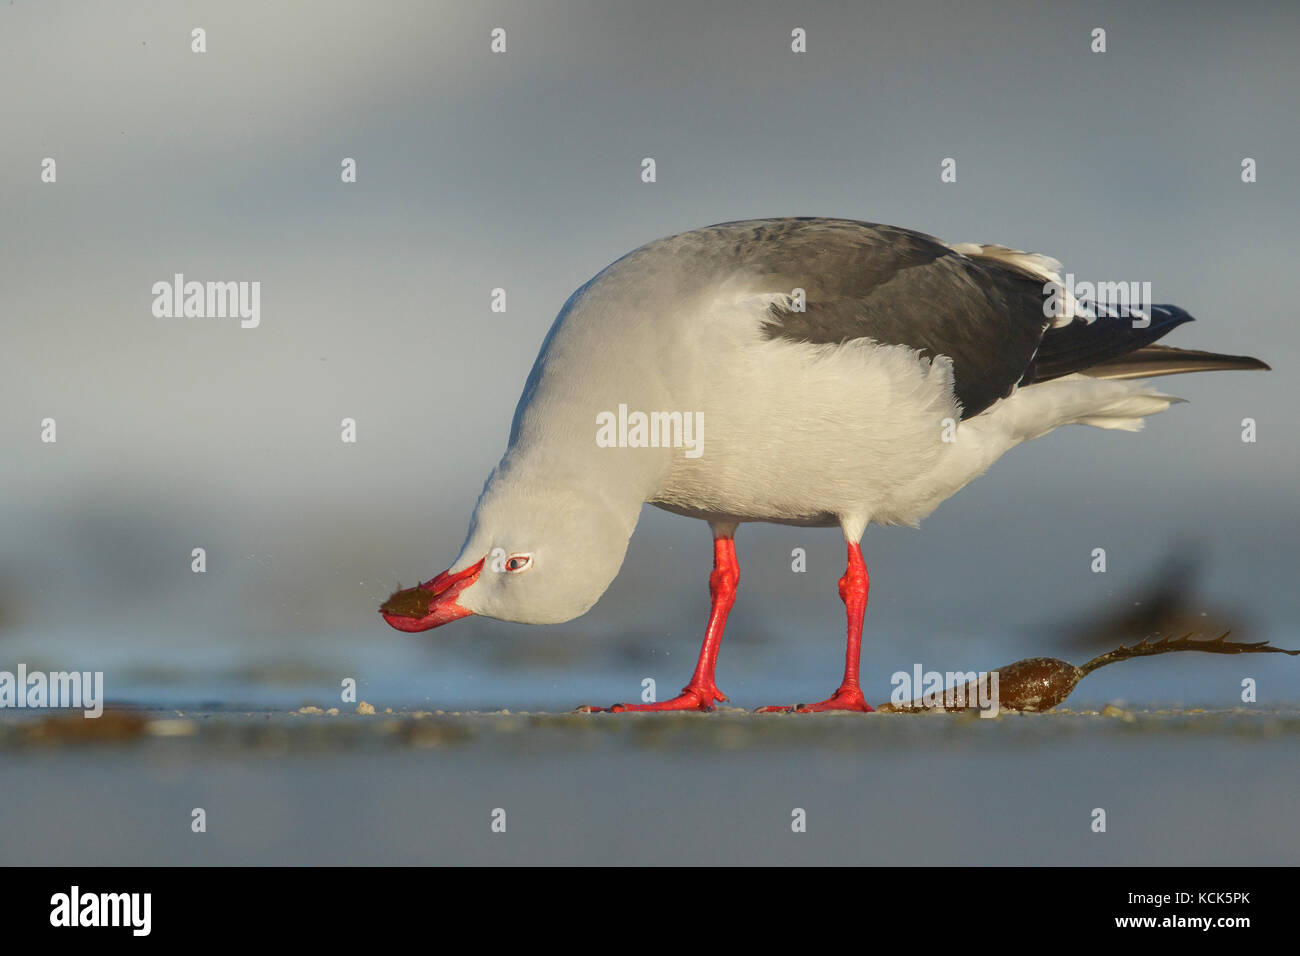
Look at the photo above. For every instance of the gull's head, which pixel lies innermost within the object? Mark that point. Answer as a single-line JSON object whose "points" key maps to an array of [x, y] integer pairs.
{"points": [[534, 555]]}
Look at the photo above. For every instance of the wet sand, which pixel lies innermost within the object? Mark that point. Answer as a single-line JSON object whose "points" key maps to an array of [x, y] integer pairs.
{"points": [[420, 787]]}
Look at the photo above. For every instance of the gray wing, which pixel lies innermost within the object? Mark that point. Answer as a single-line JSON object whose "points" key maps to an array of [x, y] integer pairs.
{"points": [[899, 287]]}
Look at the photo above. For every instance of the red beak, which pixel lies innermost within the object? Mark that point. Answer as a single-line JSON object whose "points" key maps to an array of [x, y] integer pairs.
{"points": [[430, 604]]}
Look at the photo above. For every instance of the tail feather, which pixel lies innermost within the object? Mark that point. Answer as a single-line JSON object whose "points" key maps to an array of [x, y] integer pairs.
{"points": [[1079, 400], [1154, 360]]}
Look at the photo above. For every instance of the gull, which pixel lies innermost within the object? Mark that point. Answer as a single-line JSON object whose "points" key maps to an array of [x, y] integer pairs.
{"points": [[810, 372]]}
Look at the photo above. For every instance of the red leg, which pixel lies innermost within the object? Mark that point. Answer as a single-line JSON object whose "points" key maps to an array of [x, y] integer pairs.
{"points": [[701, 692], [853, 592]]}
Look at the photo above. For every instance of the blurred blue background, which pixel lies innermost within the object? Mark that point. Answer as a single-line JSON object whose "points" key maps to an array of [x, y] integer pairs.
{"points": [[521, 170]]}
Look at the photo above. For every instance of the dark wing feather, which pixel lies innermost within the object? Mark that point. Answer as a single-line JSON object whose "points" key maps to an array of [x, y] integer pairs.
{"points": [[1081, 345], [900, 287]]}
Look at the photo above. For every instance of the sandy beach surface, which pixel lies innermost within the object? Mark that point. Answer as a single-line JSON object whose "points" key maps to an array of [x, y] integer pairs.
{"points": [[422, 787]]}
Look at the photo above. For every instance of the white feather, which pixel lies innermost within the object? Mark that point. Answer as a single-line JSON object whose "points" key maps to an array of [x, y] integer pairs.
{"points": [[1045, 267]]}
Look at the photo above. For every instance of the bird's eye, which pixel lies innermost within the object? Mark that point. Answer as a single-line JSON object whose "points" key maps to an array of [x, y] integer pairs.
{"points": [[519, 562]]}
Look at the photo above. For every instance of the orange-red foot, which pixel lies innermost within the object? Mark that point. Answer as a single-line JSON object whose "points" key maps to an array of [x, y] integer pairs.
{"points": [[691, 698], [846, 698]]}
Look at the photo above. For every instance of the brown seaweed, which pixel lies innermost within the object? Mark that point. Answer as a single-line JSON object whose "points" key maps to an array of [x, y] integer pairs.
{"points": [[407, 602], [1041, 683]]}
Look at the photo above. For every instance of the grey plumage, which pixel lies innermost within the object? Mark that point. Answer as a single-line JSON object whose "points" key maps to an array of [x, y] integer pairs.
{"points": [[986, 312], [900, 287]]}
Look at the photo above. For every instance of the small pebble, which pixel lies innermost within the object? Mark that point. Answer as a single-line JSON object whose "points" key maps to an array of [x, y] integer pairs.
{"points": [[171, 728], [1110, 710]]}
